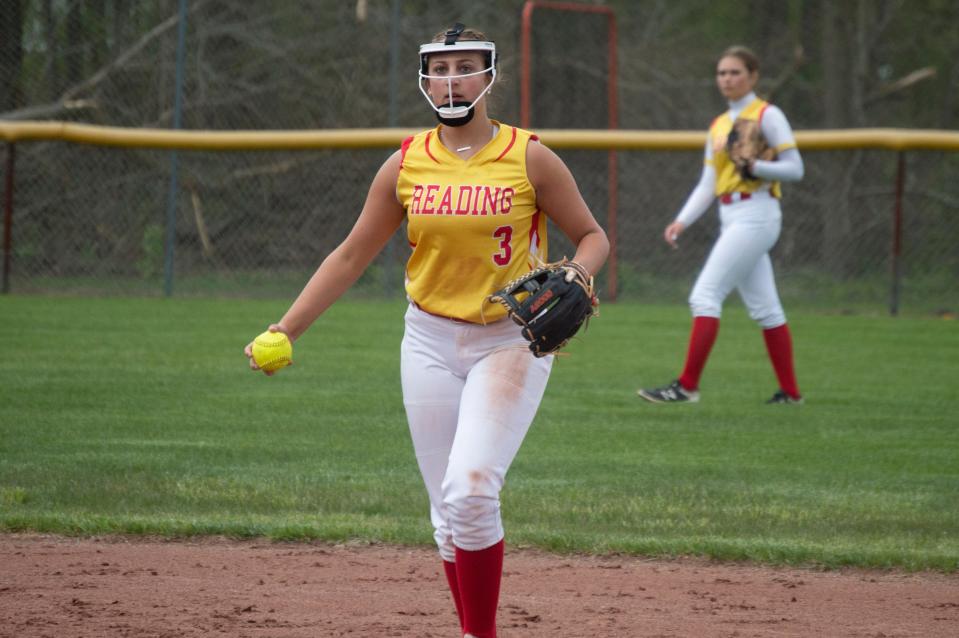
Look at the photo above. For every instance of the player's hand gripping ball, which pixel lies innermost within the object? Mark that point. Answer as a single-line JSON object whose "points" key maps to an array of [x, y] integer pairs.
{"points": [[272, 351]]}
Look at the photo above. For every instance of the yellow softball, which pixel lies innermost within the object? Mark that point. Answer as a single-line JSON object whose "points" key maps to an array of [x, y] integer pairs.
{"points": [[272, 351]]}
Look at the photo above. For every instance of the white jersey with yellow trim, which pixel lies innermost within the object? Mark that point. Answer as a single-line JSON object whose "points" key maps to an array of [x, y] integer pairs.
{"points": [[729, 179], [787, 167]]}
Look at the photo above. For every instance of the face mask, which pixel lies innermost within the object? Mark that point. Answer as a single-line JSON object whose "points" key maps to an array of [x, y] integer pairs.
{"points": [[456, 113]]}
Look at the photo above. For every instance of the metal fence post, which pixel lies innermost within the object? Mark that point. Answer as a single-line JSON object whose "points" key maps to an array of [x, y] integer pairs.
{"points": [[177, 120], [393, 121], [897, 236], [8, 218]]}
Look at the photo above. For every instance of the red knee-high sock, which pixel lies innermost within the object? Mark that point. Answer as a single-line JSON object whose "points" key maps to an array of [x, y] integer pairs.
{"points": [[779, 344], [478, 574], [701, 341], [450, 569]]}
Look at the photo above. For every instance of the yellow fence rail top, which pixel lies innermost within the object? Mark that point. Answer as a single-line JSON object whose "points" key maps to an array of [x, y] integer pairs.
{"points": [[618, 140]]}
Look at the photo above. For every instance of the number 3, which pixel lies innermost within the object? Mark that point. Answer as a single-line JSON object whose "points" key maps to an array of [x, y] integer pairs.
{"points": [[504, 234]]}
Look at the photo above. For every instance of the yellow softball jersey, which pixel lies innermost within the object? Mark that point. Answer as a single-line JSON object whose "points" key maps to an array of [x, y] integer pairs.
{"points": [[473, 224], [728, 178]]}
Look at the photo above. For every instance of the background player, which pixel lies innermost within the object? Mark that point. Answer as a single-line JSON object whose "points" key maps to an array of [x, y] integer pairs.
{"points": [[474, 192], [750, 219]]}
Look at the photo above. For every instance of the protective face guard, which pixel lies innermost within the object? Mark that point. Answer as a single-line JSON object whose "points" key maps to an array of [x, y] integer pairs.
{"points": [[453, 111]]}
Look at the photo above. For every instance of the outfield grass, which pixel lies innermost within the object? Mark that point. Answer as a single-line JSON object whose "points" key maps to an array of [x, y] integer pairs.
{"points": [[138, 416]]}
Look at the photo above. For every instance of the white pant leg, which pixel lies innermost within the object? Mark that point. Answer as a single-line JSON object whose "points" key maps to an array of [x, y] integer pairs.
{"points": [[759, 294], [471, 393], [749, 230], [502, 394], [431, 394]]}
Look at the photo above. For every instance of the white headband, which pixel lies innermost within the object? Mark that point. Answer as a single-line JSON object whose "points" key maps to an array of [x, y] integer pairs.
{"points": [[459, 45]]}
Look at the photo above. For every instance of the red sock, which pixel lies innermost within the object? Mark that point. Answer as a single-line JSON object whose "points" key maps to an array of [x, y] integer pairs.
{"points": [[701, 341], [779, 344], [450, 569], [478, 574]]}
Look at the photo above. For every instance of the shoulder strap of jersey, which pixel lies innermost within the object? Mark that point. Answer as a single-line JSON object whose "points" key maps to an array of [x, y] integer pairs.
{"points": [[762, 111], [405, 146]]}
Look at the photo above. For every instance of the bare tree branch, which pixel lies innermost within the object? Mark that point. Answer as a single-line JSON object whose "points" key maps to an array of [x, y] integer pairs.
{"points": [[127, 55], [903, 83], [51, 111], [798, 60]]}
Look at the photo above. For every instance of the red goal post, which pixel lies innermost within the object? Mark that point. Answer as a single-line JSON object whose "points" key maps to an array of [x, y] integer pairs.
{"points": [[612, 100]]}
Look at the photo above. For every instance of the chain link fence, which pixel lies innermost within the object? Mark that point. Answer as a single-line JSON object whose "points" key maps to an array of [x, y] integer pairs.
{"points": [[92, 220]]}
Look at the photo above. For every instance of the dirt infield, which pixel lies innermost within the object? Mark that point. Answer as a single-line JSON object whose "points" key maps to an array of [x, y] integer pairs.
{"points": [[64, 587]]}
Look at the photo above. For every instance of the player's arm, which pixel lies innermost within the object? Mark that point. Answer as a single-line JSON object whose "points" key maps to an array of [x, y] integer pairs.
{"points": [[382, 214], [697, 203], [558, 196], [703, 194], [788, 165]]}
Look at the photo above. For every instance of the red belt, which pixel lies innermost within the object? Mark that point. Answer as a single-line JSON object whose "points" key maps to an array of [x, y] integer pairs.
{"points": [[729, 198]]}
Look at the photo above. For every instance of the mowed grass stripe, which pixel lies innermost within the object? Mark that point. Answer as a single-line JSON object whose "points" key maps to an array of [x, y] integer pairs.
{"points": [[138, 416]]}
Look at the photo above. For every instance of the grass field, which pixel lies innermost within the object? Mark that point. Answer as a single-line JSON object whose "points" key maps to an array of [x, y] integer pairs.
{"points": [[139, 416]]}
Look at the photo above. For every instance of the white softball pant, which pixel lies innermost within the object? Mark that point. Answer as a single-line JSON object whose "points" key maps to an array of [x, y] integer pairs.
{"points": [[471, 392], [740, 259]]}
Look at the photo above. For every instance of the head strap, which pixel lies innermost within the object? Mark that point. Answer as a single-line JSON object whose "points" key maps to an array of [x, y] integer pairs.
{"points": [[453, 34]]}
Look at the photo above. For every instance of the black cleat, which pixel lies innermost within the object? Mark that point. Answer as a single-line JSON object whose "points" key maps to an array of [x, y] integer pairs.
{"points": [[672, 393], [782, 397]]}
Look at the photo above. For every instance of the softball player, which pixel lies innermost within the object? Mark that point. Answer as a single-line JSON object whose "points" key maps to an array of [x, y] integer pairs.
{"points": [[475, 194], [750, 219]]}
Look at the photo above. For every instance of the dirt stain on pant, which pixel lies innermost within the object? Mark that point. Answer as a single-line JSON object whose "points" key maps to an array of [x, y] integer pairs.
{"points": [[508, 375]]}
